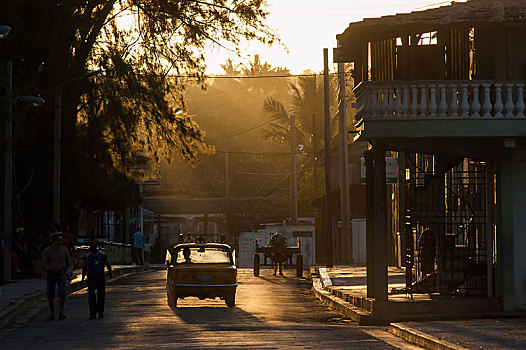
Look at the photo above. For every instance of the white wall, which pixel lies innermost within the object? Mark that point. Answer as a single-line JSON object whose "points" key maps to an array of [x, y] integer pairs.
{"points": [[246, 243]]}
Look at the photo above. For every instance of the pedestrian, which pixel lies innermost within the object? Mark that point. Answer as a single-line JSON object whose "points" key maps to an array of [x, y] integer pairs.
{"points": [[68, 241], [93, 267], [21, 249], [147, 252], [138, 242], [55, 261]]}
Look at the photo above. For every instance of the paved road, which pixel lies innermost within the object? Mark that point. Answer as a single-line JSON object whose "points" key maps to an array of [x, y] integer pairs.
{"points": [[271, 313]]}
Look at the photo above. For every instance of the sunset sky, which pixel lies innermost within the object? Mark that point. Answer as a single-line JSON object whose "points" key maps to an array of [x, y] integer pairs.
{"points": [[307, 26]]}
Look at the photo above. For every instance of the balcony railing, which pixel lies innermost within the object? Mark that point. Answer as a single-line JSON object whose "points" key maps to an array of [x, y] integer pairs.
{"points": [[443, 99]]}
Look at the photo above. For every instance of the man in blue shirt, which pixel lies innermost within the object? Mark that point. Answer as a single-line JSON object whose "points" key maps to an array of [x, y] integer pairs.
{"points": [[94, 262], [138, 242]]}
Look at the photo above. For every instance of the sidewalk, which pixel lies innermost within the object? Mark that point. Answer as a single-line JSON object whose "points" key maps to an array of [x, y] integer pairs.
{"points": [[343, 288], [19, 295]]}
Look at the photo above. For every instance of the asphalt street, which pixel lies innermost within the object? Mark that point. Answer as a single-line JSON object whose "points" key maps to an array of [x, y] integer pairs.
{"points": [[271, 312]]}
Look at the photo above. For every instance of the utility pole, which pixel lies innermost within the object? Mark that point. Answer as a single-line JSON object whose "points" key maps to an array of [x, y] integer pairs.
{"points": [[57, 153], [314, 153], [227, 188], [293, 176], [344, 170], [327, 119], [8, 173]]}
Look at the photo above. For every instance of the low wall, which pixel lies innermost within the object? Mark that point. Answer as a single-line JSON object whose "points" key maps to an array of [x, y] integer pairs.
{"points": [[118, 253]]}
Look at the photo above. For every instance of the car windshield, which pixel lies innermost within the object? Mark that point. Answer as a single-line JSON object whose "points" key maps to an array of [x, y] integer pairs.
{"points": [[203, 255]]}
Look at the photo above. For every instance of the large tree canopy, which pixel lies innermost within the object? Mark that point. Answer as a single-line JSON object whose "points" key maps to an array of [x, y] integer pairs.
{"points": [[148, 50]]}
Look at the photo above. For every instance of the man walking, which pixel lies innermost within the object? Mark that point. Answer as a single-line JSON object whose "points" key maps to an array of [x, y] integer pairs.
{"points": [[94, 262], [55, 261], [138, 241]]}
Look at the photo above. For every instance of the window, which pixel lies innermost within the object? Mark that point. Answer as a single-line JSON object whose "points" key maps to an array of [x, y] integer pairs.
{"points": [[203, 255]]}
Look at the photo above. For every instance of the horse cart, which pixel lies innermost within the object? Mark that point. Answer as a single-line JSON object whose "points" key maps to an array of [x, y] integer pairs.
{"points": [[279, 253]]}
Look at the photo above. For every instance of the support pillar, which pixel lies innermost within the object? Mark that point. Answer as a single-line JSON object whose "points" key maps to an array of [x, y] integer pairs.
{"points": [[380, 224], [511, 241], [369, 221]]}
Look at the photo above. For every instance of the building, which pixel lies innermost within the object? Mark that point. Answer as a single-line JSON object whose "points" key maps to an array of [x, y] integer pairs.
{"points": [[444, 88]]}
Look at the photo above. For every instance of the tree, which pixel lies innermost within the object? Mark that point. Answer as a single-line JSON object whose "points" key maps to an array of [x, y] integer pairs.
{"points": [[307, 105], [140, 44]]}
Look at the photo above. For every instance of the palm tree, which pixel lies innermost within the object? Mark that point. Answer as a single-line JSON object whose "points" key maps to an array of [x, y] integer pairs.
{"points": [[307, 105]]}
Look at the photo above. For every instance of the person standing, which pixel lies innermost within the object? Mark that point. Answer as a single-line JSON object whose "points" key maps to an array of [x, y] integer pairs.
{"points": [[138, 242], [55, 261], [147, 252], [94, 262], [68, 241], [20, 248]]}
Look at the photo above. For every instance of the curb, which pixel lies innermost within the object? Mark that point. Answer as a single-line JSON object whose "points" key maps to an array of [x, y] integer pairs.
{"points": [[362, 317], [9, 314], [426, 341]]}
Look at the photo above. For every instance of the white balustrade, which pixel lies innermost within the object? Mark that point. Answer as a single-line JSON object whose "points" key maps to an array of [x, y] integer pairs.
{"points": [[509, 106], [441, 99], [414, 100], [464, 104], [390, 102], [475, 104], [433, 106], [397, 101], [487, 106], [519, 106], [498, 106], [422, 107], [442, 106], [405, 101], [453, 104]]}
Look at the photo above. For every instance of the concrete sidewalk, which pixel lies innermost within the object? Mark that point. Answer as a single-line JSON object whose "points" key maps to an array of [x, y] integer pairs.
{"points": [[343, 288], [17, 296]]}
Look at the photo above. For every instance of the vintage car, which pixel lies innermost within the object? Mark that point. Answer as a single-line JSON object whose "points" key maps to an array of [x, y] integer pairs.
{"points": [[203, 270]]}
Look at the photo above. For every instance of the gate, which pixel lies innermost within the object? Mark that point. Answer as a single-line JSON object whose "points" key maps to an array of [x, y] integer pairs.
{"points": [[446, 225]]}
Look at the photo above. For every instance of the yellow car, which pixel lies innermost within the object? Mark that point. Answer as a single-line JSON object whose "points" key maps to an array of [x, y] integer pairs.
{"points": [[203, 270]]}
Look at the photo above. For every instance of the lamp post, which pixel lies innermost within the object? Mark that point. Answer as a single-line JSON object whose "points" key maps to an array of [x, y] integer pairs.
{"points": [[57, 141], [4, 31], [8, 164]]}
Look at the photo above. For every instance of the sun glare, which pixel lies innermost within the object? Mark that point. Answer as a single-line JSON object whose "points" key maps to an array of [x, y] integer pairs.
{"points": [[308, 26]]}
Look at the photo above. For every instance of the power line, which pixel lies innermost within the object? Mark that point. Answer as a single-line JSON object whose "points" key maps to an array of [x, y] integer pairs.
{"points": [[245, 77], [260, 153], [263, 174]]}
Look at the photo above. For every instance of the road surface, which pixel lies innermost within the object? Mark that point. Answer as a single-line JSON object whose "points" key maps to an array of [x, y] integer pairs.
{"points": [[271, 312]]}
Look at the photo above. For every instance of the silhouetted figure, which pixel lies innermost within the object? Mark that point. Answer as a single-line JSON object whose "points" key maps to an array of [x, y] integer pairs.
{"points": [[55, 261], [94, 262]]}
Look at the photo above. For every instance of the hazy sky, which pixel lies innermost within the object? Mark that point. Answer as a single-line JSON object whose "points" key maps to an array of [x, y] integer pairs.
{"points": [[307, 26]]}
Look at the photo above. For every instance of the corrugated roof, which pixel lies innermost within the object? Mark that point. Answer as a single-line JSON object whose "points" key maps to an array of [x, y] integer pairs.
{"points": [[474, 12]]}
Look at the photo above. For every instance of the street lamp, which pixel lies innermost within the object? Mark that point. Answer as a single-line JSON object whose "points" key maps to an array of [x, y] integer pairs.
{"points": [[57, 141], [4, 31], [8, 162]]}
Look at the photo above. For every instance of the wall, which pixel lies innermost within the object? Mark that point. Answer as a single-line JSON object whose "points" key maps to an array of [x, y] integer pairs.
{"points": [[118, 253]]}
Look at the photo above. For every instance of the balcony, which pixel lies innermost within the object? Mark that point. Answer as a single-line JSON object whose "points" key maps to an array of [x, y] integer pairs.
{"points": [[452, 109]]}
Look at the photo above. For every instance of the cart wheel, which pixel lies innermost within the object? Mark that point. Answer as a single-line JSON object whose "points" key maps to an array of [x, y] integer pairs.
{"points": [[299, 265], [256, 265], [230, 300]]}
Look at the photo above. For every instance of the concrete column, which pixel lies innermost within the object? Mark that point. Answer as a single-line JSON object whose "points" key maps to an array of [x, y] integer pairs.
{"points": [[380, 224], [369, 220], [401, 201], [511, 241]]}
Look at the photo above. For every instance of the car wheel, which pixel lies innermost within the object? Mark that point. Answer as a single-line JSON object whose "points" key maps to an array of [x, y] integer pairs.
{"points": [[230, 300], [256, 265], [299, 265], [172, 299]]}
